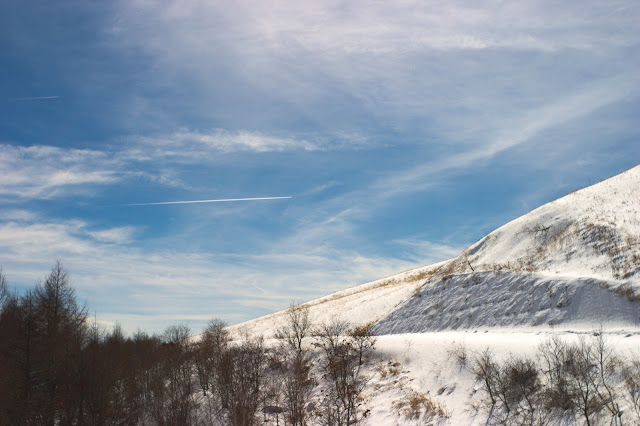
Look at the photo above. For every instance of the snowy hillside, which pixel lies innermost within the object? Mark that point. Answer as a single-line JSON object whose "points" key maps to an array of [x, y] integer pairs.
{"points": [[569, 269], [573, 260], [594, 232], [426, 364], [363, 304], [505, 299]]}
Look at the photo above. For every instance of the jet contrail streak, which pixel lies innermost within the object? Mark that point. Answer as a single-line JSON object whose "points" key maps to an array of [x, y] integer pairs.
{"points": [[207, 201], [36, 98]]}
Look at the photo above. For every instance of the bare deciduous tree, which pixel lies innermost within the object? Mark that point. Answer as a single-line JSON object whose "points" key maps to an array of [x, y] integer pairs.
{"points": [[297, 327], [486, 370], [343, 355], [631, 386], [296, 364], [208, 353], [239, 378], [4, 290]]}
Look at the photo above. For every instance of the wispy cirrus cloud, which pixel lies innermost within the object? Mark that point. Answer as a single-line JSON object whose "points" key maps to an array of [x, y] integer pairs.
{"points": [[513, 131], [197, 146], [46, 172], [380, 27], [445, 77], [305, 53], [414, 26], [191, 144], [115, 235]]}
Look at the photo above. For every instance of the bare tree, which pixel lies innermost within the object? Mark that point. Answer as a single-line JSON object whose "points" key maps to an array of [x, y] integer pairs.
{"points": [[556, 359], [175, 403], [208, 353], [583, 379], [608, 367], [631, 386], [239, 378], [518, 389], [486, 373], [363, 341], [295, 363], [343, 355], [297, 327], [4, 290]]}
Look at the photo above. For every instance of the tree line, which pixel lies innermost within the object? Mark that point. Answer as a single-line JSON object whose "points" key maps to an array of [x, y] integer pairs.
{"points": [[60, 367]]}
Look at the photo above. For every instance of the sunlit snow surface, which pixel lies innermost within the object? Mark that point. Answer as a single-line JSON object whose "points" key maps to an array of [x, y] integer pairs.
{"points": [[426, 366], [568, 267]]}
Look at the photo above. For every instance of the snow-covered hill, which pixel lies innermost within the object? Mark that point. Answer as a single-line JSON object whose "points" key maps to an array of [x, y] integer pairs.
{"points": [[573, 260], [593, 232], [565, 269]]}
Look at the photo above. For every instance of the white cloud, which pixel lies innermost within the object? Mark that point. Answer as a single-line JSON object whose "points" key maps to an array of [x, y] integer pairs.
{"points": [[46, 171], [509, 132], [17, 215], [118, 235], [226, 141], [448, 66], [197, 146], [379, 27], [36, 98], [192, 145]]}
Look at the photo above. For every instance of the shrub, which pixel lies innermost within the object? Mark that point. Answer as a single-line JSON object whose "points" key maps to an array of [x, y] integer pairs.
{"points": [[418, 406], [631, 387], [459, 353], [344, 353]]}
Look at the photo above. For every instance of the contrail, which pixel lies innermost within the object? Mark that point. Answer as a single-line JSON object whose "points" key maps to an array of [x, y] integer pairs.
{"points": [[225, 200], [37, 98]]}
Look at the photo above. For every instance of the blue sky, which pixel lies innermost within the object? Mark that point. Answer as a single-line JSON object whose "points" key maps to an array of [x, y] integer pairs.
{"points": [[403, 131]]}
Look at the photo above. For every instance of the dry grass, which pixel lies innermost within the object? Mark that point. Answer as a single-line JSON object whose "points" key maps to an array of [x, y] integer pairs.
{"points": [[390, 369], [604, 239], [459, 265], [418, 406], [599, 236], [421, 276]]}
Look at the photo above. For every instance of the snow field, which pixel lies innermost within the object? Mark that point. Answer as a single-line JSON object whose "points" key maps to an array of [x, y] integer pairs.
{"points": [[425, 363]]}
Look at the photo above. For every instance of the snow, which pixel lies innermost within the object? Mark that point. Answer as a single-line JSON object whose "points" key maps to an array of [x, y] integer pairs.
{"points": [[427, 366], [363, 304], [594, 232], [568, 267], [506, 299]]}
